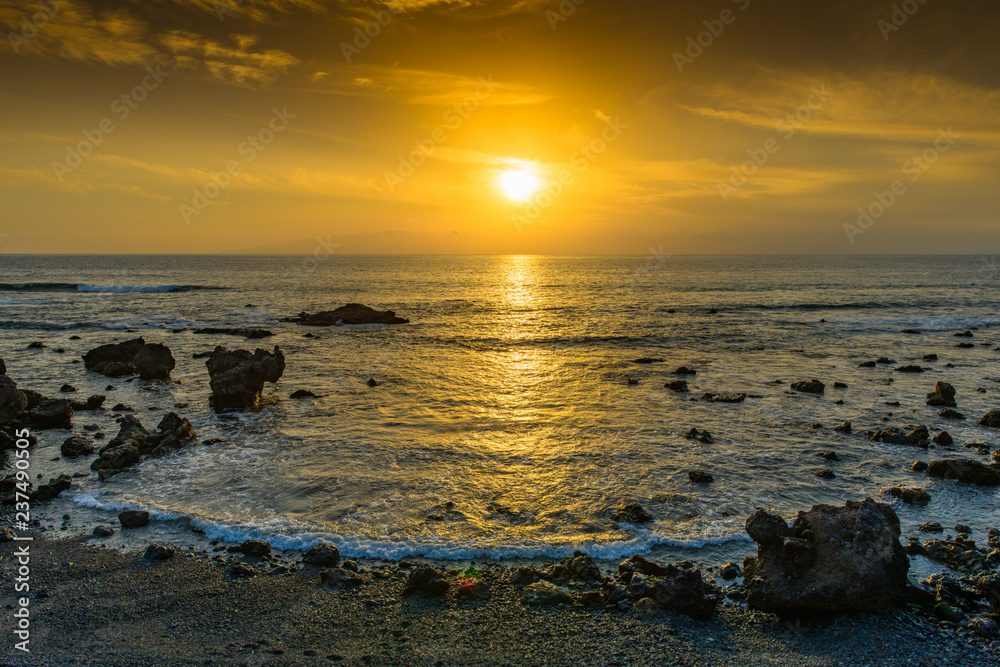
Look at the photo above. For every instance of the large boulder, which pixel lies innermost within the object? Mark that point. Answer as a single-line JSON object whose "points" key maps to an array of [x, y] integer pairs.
{"points": [[965, 470], [682, 589], [151, 361], [134, 442], [832, 560], [943, 396], [12, 401], [918, 437], [991, 419], [352, 313], [51, 413], [238, 377]]}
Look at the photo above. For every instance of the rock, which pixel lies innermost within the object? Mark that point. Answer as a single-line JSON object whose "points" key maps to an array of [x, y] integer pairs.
{"points": [[523, 576], [631, 513], [931, 528], [682, 589], [581, 567], [909, 495], [121, 407], [3, 367], [67, 388], [919, 466], [253, 549], [930, 357], [632, 381], [323, 555], [131, 357], [700, 477], [91, 404], [12, 402], [943, 438], [338, 577], [964, 334], [943, 396], [866, 364], [242, 571], [980, 447], [964, 470], [991, 419], [948, 413], [886, 360], [251, 334], [544, 594], [372, 382], [680, 386], [983, 625], [77, 445], [833, 560], [829, 456], [918, 437], [133, 518], [103, 531], [701, 436], [302, 393], [639, 565], [912, 332], [133, 443], [53, 488], [51, 413], [352, 313], [426, 581], [645, 608], [37, 345], [647, 360], [825, 474], [965, 346], [158, 552], [993, 540], [729, 571], [909, 369], [684, 370], [710, 397], [810, 387], [238, 377]]}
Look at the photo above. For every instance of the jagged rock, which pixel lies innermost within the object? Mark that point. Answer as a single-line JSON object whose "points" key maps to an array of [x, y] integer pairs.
{"points": [[956, 554], [523, 576], [809, 387], [323, 555], [700, 477], [829, 456], [832, 560], [372, 382], [931, 527], [701, 436], [352, 313], [12, 402], [825, 474], [710, 397], [910, 369], [427, 581], [253, 549], [964, 470], [544, 594], [159, 552], [251, 334], [92, 403], [151, 361], [980, 447], [133, 518], [909, 495], [238, 377], [948, 413], [47, 492], [943, 396], [679, 386], [51, 413], [991, 419], [844, 427], [918, 437], [682, 589], [639, 565], [631, 513], [134, 442], [943, 438], [77, 445]]}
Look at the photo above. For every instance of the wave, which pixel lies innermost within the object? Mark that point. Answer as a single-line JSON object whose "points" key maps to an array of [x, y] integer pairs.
{"points": [[40, 326], [107, 289]]}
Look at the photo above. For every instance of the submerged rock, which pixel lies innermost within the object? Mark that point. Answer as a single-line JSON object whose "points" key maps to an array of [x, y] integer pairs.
{"points": [[134, 442], [910, 369], [700, 477], [51, 413], [710, 397], [47, 492], [679, 386], [631, 513], [352, 313], [909, 495], [77, 445], [151, 361], [302, 393], [238, 377], [918, 437], [832, 560], [809, 387], [964, 470], [91, 404], [943, 396], [684, 370], [647, 360], [246, 333], [701, 436]]}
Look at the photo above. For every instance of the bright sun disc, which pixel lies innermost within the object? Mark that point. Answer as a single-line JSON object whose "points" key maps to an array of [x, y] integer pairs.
{"points": [[519, 184]]}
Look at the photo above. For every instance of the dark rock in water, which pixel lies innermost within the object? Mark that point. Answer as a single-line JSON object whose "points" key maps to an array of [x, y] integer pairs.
{"points": [[943, 396], [53, 488], [91, 404], [700, 477], [133, 357], [12, 402], [238, 377], [682, 589], [158, 552], [709, 397], [730, 571], [67, 388], [713, 311], [829, 456], [228, 331], [372, 382], [302, 393], [964, 470], [919, 466], [844, 427], [51, 413], [77, 445], [684, 370], [3, 367], [817, 426], [133, 518], [36, 345], [134, 442], [631, 513], [885, 360], [909, 495], [639, 565], [840, 385], [810, 387], [680, 386], [930, 357], [943, 438], [701, 436], [121, 407], [425, 581], [965, 346], [352, 313], [964, 334], [323, 555], [103, 531], [545, 594], [948, 413], [866, 364], [918, 437], [931, 528], [824, 474], [647, 360], [310, 335], [991, 419], [912, 332], [833, 560], [632, 381], [253, 549]]}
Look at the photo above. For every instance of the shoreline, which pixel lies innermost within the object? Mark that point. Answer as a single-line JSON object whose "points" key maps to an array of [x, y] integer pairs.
{"points": [[98, 606]]}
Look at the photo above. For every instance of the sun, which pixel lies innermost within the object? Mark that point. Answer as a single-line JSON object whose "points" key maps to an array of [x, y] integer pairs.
{"points": [[519, 184]]}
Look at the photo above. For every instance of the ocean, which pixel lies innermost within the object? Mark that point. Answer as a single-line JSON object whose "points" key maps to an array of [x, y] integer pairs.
{"points": [[504, 424]]}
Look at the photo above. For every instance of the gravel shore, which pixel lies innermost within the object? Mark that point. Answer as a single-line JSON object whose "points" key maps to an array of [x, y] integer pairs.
{"points": [[99, 606]]}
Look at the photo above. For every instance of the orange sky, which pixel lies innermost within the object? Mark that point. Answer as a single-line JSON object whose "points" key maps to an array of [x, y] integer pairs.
{"points": [[204, 126]]}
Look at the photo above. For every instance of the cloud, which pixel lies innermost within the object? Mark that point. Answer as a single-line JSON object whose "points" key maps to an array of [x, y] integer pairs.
{"points": [[238, 66], [259, 11]]}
